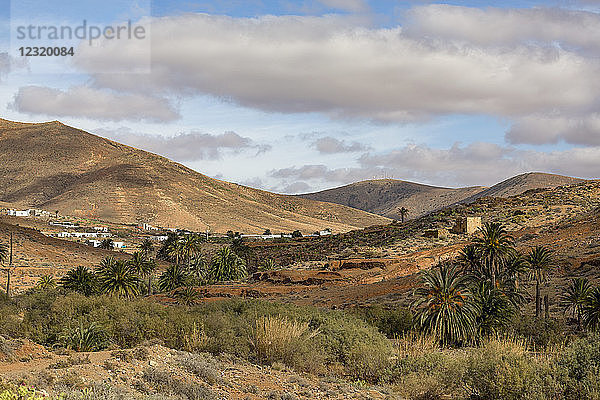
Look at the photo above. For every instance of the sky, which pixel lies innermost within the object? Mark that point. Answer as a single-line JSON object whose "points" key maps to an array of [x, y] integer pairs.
{"points": [[300, 96]]}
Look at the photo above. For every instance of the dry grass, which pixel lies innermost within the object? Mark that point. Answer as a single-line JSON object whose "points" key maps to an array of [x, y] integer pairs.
{"points": [[413, 344], [196, 340], [277, 338]]}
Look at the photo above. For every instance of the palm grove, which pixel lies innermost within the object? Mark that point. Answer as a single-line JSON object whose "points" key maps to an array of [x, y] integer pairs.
{"points": [[188, 268], [459, 302], [477, 294]]}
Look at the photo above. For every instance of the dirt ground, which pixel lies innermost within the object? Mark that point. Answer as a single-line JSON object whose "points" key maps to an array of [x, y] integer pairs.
{"points": [[154, 370]]}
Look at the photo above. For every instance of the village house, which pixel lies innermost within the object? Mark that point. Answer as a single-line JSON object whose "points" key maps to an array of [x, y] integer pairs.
{"points": [[97, 243], [17, 213]]}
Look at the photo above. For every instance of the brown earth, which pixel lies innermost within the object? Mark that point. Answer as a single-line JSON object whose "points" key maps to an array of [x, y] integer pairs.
{"points": [[35, 255], [59, 168], [566, 219]]}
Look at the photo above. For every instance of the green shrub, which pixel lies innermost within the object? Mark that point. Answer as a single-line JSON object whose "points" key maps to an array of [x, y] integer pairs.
{"points": [[392, 322], [539, 332], [503, 369], [579, 362], [219, 327], [84, 338]]}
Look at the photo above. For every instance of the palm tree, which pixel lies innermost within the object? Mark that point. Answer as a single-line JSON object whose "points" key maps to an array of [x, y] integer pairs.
{"points": [[591, 309], [539, 261], [172, 278], [46, 282], [146, 247], [175, 251], [495, 308], [197, 269], [513, 267], [182, 248], [166, 249], [117, 278], [469, 259], [226, 266], [81, 280], [445, 306], [493, 244], [403, 212], [574, 297], [107, 244], [187, 295], [142, 267], [192, 245]]}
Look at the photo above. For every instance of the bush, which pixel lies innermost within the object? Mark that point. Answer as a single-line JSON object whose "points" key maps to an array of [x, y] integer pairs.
{"points": [[21, 393], [579, 362], [503, 369], [540, 332], [498, 369], [168, 383], [344, 340], [392, 322]]}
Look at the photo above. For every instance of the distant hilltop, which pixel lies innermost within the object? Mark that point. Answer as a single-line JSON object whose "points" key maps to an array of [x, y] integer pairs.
{"points": [[386, 196]]}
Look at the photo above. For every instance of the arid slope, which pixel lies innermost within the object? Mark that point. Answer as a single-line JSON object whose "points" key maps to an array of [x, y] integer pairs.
{"points": [[386, 196], [56, 167]]}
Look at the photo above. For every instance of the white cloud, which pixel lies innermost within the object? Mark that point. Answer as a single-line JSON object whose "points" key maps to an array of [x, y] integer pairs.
{"points": [[542, 129], [473, 164], [331, 145], [296, 187], [85, 102], [577, 30], [9, 63], [190, 146], [333, 65], [346, 5]]}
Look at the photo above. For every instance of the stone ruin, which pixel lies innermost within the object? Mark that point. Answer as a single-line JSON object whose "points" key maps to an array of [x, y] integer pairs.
{"points": [[468, 225]]}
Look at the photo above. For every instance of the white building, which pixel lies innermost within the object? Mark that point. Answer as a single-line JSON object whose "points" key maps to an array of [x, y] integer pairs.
{"points": [[17, 213], [266, 237], [82, 235], [147, 227], [159, 238], [65, 224], [97, 243]]}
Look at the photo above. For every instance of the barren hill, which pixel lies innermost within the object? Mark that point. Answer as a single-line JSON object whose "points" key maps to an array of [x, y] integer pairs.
{"points": [[56, 167], [521, 183], [386, 196]]}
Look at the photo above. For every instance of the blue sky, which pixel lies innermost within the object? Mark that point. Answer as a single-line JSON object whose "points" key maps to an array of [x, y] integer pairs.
{"points": [[296, 96]]}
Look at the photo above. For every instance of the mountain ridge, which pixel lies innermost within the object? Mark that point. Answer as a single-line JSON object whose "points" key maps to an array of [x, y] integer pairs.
{"points": [[386, 196], [54, 166]]}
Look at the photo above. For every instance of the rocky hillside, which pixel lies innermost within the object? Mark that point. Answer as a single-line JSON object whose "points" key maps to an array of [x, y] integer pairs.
{"points": [[521, 183], [59, 168], [386, 196]]}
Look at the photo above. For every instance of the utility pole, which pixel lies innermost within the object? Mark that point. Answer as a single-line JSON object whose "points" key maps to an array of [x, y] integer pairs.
{"points": [[10, 261]]}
